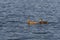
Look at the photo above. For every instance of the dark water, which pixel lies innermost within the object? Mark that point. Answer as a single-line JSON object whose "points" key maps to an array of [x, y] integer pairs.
{"points": [[14, 14]]}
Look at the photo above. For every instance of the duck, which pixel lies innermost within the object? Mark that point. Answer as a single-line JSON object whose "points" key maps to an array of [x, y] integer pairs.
{"points": [[31, 22], [42, 22]]}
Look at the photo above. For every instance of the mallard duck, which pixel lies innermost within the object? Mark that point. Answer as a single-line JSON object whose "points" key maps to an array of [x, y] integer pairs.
{"points": [[43, 22], [31, 22]]}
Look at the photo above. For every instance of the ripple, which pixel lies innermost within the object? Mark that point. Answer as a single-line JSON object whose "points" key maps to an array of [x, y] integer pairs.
{"points": [[1, 25], [12, 21], [13, 39], [22, 22], [40, 32]]}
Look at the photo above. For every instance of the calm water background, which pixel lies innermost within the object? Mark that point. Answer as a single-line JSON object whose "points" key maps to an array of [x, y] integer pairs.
{"points": [[14, 15]]}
